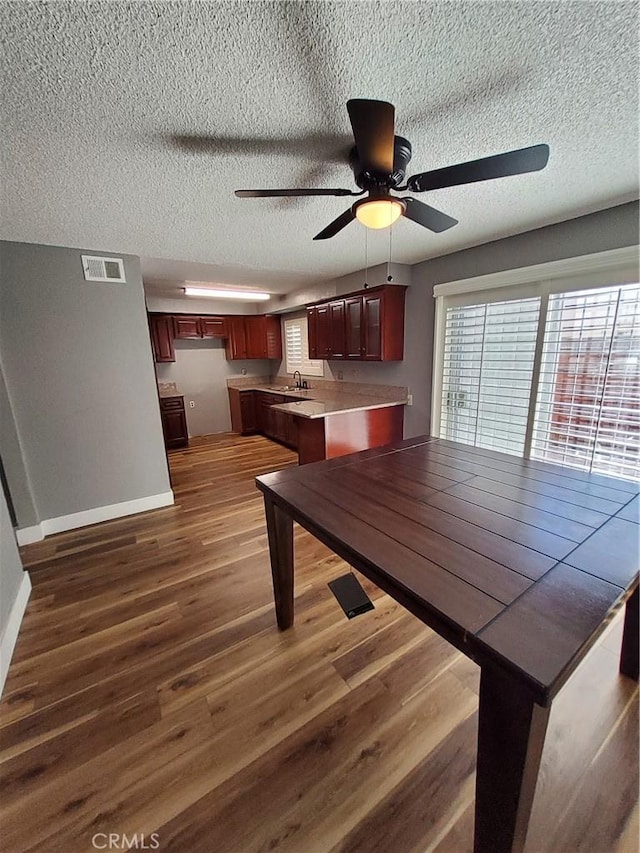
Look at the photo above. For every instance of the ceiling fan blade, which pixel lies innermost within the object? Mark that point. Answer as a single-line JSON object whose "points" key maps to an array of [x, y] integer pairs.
{"points": [[499, 166], [290, 193], [372, 123], [427, 216], [337, 225]]}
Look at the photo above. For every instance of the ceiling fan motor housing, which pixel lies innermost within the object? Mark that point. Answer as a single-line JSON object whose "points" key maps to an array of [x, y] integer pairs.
{"points": [[372, 180]]}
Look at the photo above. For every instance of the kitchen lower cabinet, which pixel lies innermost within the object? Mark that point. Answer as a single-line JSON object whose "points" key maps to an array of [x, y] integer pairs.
{"points": [[174, 422], [242, 406], [348, 432], [251, 411]]}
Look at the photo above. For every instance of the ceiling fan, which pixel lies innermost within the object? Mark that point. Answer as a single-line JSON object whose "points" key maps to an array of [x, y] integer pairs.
{"points": [[379, 162]]}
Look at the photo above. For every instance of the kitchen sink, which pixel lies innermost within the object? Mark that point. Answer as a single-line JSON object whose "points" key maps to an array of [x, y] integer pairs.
{"points": [[283, 388]]}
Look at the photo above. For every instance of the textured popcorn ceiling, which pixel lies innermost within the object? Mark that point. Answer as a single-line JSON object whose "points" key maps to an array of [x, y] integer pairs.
{"points": [[99, 97]]}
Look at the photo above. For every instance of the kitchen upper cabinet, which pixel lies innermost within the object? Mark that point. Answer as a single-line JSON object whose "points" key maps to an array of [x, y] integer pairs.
{"points": [[336, 329], [213, 327], [186, 327], [190, 327], [273, 333], [353, 327], [161, 329], [372, 338], [254, 337], [323, 332], [312, 331], [364, 326], [236, 338]]}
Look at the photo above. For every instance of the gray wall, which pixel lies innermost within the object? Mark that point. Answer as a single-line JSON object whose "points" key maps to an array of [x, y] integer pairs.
{"points": [[598, 232], [13, 461], [79, 371], [200, 372], [193, 305], [11, 573]]}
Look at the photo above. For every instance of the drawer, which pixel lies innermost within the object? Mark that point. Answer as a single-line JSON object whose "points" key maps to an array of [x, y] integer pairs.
{"points": [[171, 403]]}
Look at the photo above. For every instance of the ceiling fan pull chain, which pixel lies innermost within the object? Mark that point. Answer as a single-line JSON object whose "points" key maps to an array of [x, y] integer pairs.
{"points": [[366, 257], [389, 276]]}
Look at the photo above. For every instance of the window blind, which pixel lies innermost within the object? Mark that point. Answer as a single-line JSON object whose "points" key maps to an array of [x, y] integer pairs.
{"points": [[296, 345], [488, 364], [587, 413], [554, 375]]}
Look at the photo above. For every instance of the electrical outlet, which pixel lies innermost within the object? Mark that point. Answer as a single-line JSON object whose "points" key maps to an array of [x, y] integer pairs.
{"points": [[340, 375], [409, 399], [192, 404]]}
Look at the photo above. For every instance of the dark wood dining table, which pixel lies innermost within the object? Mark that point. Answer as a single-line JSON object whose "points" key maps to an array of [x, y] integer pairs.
{"points": [[518, 563]]}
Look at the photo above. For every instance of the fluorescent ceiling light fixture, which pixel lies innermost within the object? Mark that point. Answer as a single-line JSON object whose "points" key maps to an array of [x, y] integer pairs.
{"points": [[216, 293], [378, 213]]}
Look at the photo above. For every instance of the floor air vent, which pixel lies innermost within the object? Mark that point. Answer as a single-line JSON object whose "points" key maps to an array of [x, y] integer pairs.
{"points": [[351, 597]]}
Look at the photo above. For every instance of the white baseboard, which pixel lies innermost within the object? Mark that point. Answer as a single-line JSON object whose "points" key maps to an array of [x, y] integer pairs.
{"points": [[27, 535], [10, 635], [105, 513]]}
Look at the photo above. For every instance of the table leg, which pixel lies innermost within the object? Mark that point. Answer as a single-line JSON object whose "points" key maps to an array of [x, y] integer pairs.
{"points": [[629, 653], [511, 731], [280, 533]]}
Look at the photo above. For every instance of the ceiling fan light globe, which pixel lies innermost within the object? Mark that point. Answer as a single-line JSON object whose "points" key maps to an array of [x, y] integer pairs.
{"points": [[379, 213]]}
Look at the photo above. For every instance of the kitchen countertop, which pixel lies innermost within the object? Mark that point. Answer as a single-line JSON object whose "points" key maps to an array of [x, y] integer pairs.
{"points": [[317, 403]]}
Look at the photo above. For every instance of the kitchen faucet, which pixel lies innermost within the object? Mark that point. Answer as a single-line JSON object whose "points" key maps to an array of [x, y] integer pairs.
{"points": [[299, 380]]}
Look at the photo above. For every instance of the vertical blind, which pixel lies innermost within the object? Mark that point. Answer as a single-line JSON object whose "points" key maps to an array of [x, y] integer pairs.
{"points": [[296, 347], [555, 379]]}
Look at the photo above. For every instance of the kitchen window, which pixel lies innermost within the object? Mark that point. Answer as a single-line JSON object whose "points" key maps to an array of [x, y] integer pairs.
{"points": [[546, 369], [296, 347]]}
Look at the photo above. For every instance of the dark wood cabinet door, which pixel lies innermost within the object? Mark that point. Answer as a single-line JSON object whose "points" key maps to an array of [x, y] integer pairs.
{"points": [[213, 327], [274, 337], [312, 331], [256, 328], [280, 425], [323, 332], [174, 422], [263, 412], [367, 325], [161, 329], [237, 338], [291, 431], [242, 408], [247, 412], [353, 327], [372, 326], [337, 329], [186, 326]]}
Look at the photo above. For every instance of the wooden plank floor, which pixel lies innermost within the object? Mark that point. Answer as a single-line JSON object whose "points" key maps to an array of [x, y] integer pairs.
{"points": [[150, 692]]}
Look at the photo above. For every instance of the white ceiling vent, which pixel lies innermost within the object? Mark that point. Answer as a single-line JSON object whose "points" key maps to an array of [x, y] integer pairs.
{"points": [[103, 269]]}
